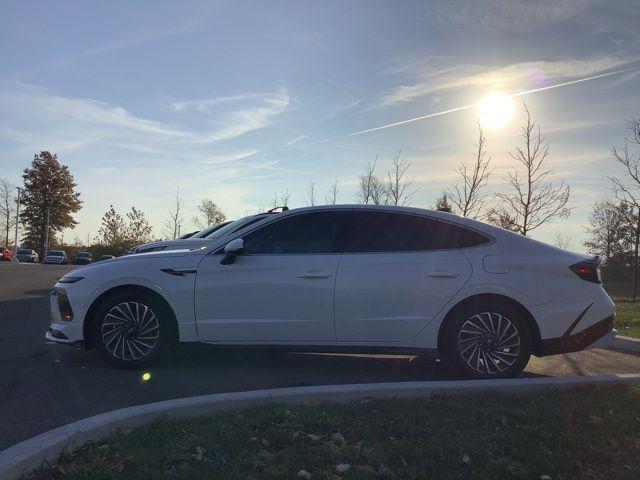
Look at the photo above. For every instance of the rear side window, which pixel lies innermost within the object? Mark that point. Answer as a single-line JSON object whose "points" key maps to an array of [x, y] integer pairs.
{"points": [[398, 232], [316, 232]]}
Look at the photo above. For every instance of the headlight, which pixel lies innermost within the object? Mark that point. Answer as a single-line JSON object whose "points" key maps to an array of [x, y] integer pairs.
{"points": [[70, 279]]}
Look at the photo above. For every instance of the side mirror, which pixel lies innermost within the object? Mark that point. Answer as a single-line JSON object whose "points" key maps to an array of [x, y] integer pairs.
{"points": [[231, 250]]}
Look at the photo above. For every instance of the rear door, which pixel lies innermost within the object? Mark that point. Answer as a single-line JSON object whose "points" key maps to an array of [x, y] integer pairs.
{"points": [[396, 273]]}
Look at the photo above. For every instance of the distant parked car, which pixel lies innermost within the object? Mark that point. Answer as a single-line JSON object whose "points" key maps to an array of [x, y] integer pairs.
{"points": [[26, 255], [5, 254], [82, 258], [106, 257], [58, 257]]}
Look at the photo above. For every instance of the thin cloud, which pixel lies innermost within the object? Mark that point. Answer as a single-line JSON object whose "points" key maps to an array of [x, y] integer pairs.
{"points": [[536, 74], [242, 121], [299, 138], [230, 158], [204, 105]]}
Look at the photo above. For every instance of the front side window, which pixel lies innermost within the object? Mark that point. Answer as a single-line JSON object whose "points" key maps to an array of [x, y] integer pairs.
{"points": [[316, 232], [399, 232]]}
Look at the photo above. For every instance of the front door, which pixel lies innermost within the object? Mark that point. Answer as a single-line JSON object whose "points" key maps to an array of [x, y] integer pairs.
{"points": [[281, 289]]}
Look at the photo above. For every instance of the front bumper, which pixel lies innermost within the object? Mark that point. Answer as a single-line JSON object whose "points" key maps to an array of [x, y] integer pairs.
{"points": [[55, 335], [598, 335], [60, 331]]}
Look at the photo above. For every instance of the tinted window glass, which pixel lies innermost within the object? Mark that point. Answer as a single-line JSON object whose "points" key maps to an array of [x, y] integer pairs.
{"points": [[396, 232], [234, 226], [316, 232]]}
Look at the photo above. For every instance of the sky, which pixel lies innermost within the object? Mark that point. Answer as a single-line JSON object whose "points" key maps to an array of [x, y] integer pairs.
{"points": [[237, 101]]}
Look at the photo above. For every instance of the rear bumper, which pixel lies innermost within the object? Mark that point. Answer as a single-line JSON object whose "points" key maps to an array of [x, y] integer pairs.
{"points": [[598, 335]]}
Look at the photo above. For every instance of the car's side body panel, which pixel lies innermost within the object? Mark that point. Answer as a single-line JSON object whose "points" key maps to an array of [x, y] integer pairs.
{"points": [[392, 296], [266, 298]]}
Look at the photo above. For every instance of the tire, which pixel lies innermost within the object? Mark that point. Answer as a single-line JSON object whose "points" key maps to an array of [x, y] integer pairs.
{"points": [[486, 340], [131, 330]]}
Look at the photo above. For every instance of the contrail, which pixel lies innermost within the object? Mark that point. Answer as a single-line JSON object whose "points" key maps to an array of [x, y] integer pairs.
{"points": [[466, 107], [411, 120], [580, 80]]}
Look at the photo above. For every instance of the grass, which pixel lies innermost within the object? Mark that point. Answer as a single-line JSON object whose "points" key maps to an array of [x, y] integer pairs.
{"points": [[628, 317], [586, 433]]}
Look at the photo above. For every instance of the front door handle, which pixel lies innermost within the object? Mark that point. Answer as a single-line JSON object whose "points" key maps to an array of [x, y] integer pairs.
{"points": [[314, 274], [443, 273]]}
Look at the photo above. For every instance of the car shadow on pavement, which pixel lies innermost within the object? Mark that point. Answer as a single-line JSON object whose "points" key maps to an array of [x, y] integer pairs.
{"points": [[39, 292]]}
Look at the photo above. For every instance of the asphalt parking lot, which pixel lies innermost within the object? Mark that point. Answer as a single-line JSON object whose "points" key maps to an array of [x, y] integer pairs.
{"points": [[44, 385]]}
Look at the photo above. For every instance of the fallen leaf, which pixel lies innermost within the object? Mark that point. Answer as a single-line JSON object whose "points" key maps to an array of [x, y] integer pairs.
{"points": [[338, 439], [342, 468], [303, 474], [466, 459]]}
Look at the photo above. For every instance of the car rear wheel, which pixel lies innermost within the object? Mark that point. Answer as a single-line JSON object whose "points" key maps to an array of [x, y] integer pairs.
{"points": [[489, 340], [131, 330]]}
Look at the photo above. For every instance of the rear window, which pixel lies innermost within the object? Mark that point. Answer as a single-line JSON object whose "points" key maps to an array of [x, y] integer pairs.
{"points": [[22, 251], [83, 254], [399, 232], [56, 253]]}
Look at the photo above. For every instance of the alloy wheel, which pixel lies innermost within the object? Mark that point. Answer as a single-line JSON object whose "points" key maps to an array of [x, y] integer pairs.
{"points": [[130, 331], [489, 343]]}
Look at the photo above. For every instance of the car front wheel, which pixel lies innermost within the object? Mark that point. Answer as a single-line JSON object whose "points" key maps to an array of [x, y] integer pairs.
{"points": [[130, 331], [488, 340]]}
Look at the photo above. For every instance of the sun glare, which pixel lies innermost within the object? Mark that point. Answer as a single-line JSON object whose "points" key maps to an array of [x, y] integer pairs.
{"points": [[495, 110]]}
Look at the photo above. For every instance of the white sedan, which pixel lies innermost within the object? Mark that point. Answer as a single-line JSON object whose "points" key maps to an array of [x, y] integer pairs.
{"points": [[353, 277]]}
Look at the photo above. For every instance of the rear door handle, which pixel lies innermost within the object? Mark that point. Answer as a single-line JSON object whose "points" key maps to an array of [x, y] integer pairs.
{"points": [[443, 273], [314, 274]]}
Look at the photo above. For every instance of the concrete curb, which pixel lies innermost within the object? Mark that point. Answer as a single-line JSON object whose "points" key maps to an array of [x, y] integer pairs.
{"points": [[31, 453], [626, 344]]}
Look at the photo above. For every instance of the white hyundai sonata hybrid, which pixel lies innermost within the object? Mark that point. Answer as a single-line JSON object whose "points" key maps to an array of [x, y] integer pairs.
{"points": [[347, 278]]}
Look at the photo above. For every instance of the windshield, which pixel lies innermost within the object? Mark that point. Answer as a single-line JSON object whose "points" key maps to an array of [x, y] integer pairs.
{"points": [[234, 226], [56, 253], [83, 254], [207, 231], [24, 252]]}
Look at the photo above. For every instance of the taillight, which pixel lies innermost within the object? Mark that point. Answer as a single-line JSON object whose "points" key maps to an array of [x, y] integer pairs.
{"points": [[588, 270]]}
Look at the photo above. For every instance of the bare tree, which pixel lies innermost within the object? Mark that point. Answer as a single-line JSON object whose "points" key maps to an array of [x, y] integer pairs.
{"points": [[399, 191], [311, 194], [281, 200], [562, 241], [332, 197], [371, 189], [7, 209], [173, 224], [534, 199], [468, 196], [627, 190]]}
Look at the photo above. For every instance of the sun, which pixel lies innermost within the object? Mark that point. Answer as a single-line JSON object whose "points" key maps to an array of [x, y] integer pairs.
{"points": [[495, 110]]}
